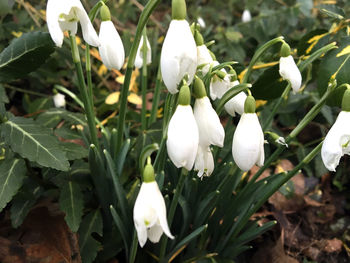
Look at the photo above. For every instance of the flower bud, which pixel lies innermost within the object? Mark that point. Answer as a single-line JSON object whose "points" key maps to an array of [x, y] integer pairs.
{"points": [[249, 105], [178, 9]]}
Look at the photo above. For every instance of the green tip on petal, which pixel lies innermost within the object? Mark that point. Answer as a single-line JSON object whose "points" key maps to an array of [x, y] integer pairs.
{"points": [[198, 38], [249, 105], [178, 9], [185, 95], [199, 88], [345, 105], [148, 174], [285, 50], [105, 13]]}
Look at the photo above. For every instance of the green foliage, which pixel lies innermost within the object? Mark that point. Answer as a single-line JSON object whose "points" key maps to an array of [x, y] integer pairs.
{"points": [[12, 172], [34, 142], [25, 55]]}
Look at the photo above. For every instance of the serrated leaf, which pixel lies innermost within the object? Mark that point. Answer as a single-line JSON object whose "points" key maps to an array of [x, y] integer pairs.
{"points": [[52, 117], [3, 96], [92, 223], [24, 55], [12, 172], [71, 202], [23, 202], [34, 142], [74, 151]]}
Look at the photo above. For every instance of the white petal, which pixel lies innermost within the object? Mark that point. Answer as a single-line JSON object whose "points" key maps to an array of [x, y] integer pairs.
{"points": [[139, 54], [59, 100], [179, 55], [246, 16], [218, 87], [248, 142], [89, 33], [204, 58], [336, 143], [236, 104], [201, 22], [208, 122], [53, 10], [154, 233], [289, 71], [182, 142], [204, 163], [111, 49]]}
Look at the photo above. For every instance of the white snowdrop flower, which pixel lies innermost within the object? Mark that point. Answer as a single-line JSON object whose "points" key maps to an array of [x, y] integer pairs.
{"points": [[246, 16], [183, 138], [248, 139], [111, 49], [63, 15], [201, 22], [59, 100], [236, 104], [204, 163], [204, 58], [219, 86], [178, 56], [337, 141], [288, 69], [208, 122], [139, 53], [150, 217]]}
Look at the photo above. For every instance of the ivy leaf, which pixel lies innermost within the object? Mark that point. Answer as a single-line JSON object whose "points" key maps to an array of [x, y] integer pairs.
{"points": [[12, 172], [24, 55], [71, 202], [34, 142], [92, 223]]}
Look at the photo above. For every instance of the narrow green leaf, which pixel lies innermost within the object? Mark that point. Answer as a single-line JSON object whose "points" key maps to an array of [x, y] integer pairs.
{"points": [[122, 156], [3, 96], [24, 55], [146, 152], [12, 172], [34, 142], [121, 227], [72, 203], [92, 223]]}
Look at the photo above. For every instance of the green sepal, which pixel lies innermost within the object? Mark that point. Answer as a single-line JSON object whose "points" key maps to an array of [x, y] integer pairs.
{"points": [[198, 38], [178, 9], [345, 105], [148, 174], [233, 75], [249, 105], [185, 95], [105, 13], [199, 88], [285, 50]]}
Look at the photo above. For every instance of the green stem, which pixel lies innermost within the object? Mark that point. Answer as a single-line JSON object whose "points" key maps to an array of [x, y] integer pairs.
{"points": [[125, 90], [88, 107], [156, 97], [258, 54], [144, 80], [172, 209]]}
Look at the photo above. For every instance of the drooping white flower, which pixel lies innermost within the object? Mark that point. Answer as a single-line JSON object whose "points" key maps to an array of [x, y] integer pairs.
{"points": [[208, 122], [111, 49], [248, 142], [201, 22], [139, 53], [178, 56], [289, 71], [59, 100], [236, 104], [204, 58], [182, 142], [337, 141], [150, 217], [218, 87], [204, 163], [246, 16], [63, 15]]}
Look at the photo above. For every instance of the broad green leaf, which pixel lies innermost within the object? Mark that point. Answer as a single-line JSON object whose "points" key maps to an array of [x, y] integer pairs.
{"points": [[3, 96], [6, 6], [72, 203], [67, 133], [24, 55], [24, 201], [12, 172], [52, 117], [334, 60], [92, 223], [34, 142], [74, 151]]}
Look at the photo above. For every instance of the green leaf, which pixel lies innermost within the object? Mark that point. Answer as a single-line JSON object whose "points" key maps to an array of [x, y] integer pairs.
{"points": [[34, 142], [52, 117], [72, 203], [23, 202], [92, 223], [3, 96], [6, 7], [24, 55], [74, 151], [12, 172]]}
